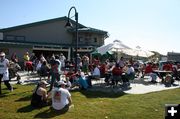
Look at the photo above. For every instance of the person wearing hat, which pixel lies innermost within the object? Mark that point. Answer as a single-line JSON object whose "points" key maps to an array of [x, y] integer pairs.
{"points": [[61, 97], [4, 73], [39, 98]]}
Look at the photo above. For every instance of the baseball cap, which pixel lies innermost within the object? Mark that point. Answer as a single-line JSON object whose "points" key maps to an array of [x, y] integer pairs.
{"points": [[61, 83], [43, 82], [2, 54]]}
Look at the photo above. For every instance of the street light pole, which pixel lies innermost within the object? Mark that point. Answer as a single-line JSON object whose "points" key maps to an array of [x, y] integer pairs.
{"points": [[68, 24]]}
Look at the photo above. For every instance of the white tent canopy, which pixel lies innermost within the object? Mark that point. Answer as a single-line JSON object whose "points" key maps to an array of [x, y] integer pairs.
{"points": [[116, 46], [138, 52], [119, 47]]}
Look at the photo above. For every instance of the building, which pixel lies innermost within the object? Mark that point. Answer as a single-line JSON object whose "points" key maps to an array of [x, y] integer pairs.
{"points": [[173, 56], [50, 36]]}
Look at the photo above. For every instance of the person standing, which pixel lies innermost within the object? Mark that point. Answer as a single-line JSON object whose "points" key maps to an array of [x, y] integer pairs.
{"points": [[14, 58], [79, 62], [55, 72], [26, 59], [4, 73], [121, 62], [85, 63], [62, 58]]}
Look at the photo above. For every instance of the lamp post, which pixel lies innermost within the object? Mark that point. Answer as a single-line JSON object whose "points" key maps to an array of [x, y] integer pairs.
{"points": [[68, 24]]}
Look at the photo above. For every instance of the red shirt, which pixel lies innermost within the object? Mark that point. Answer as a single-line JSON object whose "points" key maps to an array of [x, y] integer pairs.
{"points": [[29, 65], [103, 69], [117, 71], [71, 75], [168, 67], [148, 69]]}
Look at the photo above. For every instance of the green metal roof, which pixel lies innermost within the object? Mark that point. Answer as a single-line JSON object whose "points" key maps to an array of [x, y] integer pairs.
{"points": [[90, 30], [82, 28], [38, 23]]}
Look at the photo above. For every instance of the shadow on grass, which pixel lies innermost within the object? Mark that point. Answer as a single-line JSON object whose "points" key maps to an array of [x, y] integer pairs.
{"points": [[26, 98], [3, 95], [14, 88], [99, 94], [6, 92], [27, 108], [50, 113]]}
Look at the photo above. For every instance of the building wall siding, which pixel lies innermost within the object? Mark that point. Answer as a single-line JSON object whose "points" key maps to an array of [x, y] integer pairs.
{"points": [[90, 39], [54, 32]]}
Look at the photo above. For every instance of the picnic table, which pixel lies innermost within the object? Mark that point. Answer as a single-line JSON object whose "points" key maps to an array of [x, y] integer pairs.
{"points": [[162, 73]]}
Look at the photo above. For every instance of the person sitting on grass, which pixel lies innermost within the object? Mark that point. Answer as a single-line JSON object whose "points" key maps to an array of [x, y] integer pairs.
{"points": [[168, 81], [69, 85], [82, 81], [61, 97], [39, 97]]}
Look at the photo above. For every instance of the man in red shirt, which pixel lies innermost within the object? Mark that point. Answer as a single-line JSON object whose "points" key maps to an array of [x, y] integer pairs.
{"points": [[29, 66], [148, 68], [167, 67], [116, 72], [149, 71]]}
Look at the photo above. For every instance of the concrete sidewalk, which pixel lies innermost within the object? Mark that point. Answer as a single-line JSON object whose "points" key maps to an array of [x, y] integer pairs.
{"points": [[142, 89], [138, 86], [26, 78]]}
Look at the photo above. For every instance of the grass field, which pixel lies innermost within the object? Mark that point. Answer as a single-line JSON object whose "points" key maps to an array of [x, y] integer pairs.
{"points": [[89, 105]]}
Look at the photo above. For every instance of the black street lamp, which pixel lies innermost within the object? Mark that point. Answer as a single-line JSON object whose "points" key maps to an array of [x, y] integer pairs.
{"points": [[68, 24]]}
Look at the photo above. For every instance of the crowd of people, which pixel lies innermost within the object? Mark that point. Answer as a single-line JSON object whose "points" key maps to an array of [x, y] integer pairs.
{"points": [[63, 75]]}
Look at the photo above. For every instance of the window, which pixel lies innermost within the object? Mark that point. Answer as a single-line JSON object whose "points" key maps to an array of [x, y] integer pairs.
{"points": [[20, 38], [80, 39], [8, 37], [12, 37], [95, 40]]}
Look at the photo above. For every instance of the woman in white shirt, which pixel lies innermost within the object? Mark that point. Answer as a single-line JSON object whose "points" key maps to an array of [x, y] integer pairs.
{"points": [[95, 75], [4, 73]]}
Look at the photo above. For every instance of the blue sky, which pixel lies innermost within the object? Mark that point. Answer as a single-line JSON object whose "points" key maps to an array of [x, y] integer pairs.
{"points": [[150, 24]]}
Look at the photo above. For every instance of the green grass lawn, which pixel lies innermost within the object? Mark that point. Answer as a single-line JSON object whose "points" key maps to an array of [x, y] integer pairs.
{"points": [[89, 105]]}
